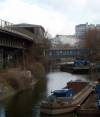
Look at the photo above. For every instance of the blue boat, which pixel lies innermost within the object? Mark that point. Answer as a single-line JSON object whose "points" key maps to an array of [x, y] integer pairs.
{"points": [[81, 66], [64, 93]]}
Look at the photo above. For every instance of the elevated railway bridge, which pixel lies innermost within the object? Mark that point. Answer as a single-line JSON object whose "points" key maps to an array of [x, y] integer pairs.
{"points": [[13, 42]]}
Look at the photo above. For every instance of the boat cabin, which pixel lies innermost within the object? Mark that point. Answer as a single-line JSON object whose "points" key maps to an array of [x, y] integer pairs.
{"points": [[63, 93], [81, 62]]}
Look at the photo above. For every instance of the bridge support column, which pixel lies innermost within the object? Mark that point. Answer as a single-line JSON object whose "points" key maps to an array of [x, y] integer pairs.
{"points": [[5, 58], [24, 64]]}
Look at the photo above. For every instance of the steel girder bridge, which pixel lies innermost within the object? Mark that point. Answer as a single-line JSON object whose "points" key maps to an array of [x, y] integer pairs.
{"points": [[62, 53]]}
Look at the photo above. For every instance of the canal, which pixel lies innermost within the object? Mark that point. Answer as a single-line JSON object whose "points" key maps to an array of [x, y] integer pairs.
{"points": [[26, 104]]}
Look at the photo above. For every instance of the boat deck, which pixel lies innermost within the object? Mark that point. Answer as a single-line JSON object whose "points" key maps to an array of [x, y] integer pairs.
{"points": [[89, 107]]}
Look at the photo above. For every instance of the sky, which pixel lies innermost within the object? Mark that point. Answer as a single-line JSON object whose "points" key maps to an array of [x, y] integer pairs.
{"points": [[56, 16]]}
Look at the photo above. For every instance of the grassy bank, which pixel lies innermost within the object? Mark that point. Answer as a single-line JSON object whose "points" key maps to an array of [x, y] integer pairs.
{"points": [[17, 79]]}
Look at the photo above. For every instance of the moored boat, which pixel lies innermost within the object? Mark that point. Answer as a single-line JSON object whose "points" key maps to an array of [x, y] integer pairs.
{"points": [[80, 69], [67, 99], [81, 66]]}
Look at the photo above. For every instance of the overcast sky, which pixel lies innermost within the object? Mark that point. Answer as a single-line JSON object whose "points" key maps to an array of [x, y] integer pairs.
{"points": [[56, 16]]}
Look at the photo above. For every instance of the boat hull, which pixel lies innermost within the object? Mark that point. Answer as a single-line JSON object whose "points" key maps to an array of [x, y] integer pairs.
{"points": [[80, 70], [57, 111], [62, 108]]}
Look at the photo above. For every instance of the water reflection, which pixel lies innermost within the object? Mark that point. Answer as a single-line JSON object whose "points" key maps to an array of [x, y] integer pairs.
{"points": [[20, 106], [2, 110], [26, 104], [64, 115], [23, 104]]}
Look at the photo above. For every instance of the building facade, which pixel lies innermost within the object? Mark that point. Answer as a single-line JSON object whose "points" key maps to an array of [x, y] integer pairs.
{"points": [[63, 41], [82, 29], [36, 32]]}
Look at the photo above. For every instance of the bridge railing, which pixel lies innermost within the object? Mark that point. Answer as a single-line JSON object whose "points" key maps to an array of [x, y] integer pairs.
{"points": [[7, 26]]}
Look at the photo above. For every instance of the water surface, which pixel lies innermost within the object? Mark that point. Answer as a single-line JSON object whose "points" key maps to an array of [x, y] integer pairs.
{"points": [[26, 104]]}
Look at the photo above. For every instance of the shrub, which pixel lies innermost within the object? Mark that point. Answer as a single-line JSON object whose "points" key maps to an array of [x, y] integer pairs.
{"points": [[13, 82], [38, 70]]}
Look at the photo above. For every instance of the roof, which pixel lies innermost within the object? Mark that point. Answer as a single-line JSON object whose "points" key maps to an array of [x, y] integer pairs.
{"points": [[24, 25], [62, 91]]}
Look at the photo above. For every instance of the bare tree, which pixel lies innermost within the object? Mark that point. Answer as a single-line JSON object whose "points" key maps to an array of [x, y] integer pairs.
{"points": [[92, 42]]}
